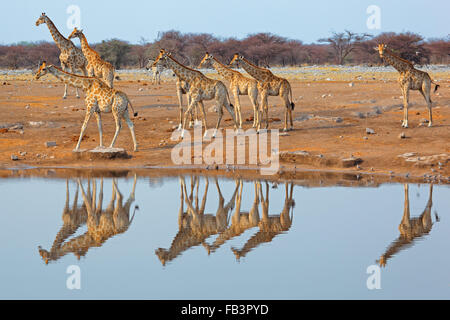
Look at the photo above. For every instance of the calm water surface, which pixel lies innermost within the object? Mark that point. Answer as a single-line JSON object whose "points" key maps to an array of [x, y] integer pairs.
{"points": [[202, 238]]}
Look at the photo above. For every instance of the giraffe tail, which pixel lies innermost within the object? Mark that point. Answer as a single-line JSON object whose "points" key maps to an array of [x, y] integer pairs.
{"points": [[292, 100], [436, 87], [135, 114]]}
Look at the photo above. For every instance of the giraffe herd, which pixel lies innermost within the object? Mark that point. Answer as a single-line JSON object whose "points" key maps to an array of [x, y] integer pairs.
{"points": [[98, 76]]}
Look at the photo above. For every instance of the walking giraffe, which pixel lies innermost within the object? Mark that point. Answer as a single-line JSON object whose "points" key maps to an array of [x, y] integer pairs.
{"points": [[182, 87], [409, 79], [99, 98], [239, 85], [71, 57], [201, 88], [96, 67], [270, 85]]}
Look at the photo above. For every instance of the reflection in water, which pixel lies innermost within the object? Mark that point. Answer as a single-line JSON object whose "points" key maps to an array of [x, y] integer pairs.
{"points": [[410, 228], [101, 224], [195, 226]]}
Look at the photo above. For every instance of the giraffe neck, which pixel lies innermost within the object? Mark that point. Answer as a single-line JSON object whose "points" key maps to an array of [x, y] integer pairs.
{"points": [[398, 63], [224, 71], [60, 40], [256, 72], [87, 50], [74, 80], [182, 72]]}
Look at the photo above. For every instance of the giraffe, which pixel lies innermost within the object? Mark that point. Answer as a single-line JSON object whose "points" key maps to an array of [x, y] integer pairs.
{"points": [[269, 226], [410, 79], [240, 221], [99, 98], [201, 88], [410, 228], [71, 57], [239, 85], [182, 87], [270, 85], [156, 71], [194, 225], [96, 65], [101, 224]]}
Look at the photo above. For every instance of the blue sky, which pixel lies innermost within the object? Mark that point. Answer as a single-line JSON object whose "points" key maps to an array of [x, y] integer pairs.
{"points": [[305, 20]]}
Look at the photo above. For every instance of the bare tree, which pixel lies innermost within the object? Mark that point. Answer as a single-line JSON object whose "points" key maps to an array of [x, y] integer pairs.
{"points": [[343, 43]]}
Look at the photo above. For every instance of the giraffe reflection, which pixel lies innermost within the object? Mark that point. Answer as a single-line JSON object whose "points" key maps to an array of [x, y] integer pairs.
{"points": [[410, 228], [270, 226], [101, 224], [195, 227]]}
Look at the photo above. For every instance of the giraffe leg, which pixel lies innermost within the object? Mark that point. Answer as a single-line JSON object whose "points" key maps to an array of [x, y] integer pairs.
{"points": [[405, 106], [426, 88], [118, 127], [180, 104], [130, 124], [265, 107], [64, 68], [253, 95], [237, 108], [202, 106], [89, 113], [99, 124], [219, 116], [76, 89], [194, 99]]}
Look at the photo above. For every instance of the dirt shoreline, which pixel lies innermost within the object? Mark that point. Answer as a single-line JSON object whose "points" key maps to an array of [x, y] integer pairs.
{"points": [[334, 121]]}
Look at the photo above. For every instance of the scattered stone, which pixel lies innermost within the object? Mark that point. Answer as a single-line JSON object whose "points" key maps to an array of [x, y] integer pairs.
{"points": [[351, 162], [365, 138], [370, 131], [49, 144], [212, 109], [36, 123], [324, 96], [338, 120], [402, 135], [351, 84], [23, 153], [101, 153], [141, 89], [14, 157], [27, 106]]}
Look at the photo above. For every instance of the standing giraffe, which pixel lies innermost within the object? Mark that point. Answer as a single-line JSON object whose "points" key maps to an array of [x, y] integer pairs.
{"points": [[71, 57], [156, 71], [271, 85], [96, 67], [409, 79], [201, 88], [99, 98], [410, 228], [239, 85], [182, 87]]}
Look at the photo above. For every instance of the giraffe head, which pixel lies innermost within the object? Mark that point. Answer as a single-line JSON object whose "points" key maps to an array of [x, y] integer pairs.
{"points": [[43, 70], [160, 60], [236, 58], [76, 33], [42, 19], [206, 61], [381, 48]]}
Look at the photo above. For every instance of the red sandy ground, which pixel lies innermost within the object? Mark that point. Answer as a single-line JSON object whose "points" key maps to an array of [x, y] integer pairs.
{"points": [[158, 114]]}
